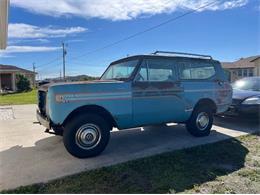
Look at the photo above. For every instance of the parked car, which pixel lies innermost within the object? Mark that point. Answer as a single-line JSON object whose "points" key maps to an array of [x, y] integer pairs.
{"points": [[246, 98], [136, 91], [44, 82]]}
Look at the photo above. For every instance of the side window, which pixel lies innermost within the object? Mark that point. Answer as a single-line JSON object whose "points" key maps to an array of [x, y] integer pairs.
{"points": [[185, 72], [160, 71], [196, 71], [156, 70]]}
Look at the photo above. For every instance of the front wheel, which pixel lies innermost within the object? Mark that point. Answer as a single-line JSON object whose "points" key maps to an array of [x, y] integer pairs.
{"points": [[201, 121], [86, 135]]}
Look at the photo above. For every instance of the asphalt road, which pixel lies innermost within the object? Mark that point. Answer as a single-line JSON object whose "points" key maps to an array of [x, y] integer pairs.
{"points": [[28, 155]]}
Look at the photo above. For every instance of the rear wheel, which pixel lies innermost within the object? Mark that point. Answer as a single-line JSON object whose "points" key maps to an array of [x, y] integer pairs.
{"points": [[86, 135], [200, 122]]}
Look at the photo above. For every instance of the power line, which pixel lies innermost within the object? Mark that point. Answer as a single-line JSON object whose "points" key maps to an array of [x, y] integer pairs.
{"points": [[50, 62], [135, 34], [146, 30]]}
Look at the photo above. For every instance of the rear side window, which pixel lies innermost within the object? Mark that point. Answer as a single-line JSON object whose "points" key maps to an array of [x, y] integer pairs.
{"points": [[159, 72], [196, 71], [156, 70]]}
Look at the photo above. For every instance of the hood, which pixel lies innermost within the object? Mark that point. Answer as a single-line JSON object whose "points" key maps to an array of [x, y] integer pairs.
{"points": [[87, 87], [45, 87], [243, 94]]}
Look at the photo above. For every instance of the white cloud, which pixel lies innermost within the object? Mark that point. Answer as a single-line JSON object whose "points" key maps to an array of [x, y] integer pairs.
{"points": [[5, 55], [118, 9], [25, 31], [25, 49], [23, 41]]}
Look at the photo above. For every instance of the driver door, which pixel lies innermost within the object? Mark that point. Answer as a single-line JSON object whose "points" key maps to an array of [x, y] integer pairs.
{"points": [[157, 94]]}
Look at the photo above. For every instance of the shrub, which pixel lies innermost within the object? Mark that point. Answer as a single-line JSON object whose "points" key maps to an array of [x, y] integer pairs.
{"points": [[23, 84]]}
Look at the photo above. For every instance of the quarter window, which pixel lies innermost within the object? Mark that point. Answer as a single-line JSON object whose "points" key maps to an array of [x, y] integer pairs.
{"points": [[196, 71]]}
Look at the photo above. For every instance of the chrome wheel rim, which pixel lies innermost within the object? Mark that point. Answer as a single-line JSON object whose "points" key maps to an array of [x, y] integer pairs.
{"points": [[88, 136], [202, 121]]}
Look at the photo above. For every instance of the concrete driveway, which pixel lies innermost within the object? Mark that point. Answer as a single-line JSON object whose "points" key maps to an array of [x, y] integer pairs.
{"points": [[28, 155]]}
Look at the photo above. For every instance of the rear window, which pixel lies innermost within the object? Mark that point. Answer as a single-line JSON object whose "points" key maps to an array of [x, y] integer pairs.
{"points": [[196, 71]]}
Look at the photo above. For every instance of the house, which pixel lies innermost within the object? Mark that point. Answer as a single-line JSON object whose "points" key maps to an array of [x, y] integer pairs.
{"points": [[8, 76], [4, 5], [244, 67]]}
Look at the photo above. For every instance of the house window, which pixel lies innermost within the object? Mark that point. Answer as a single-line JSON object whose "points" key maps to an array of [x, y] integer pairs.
{"points": [[240, 72], [244, 72], [251, 72]]}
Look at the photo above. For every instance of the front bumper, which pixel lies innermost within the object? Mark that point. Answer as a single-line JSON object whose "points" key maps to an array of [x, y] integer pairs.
{"points": [[244, 110], [43, 120]]}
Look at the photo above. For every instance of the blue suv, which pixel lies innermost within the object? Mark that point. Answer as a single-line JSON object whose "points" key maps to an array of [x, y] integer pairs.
{"points": [[136, 91]]}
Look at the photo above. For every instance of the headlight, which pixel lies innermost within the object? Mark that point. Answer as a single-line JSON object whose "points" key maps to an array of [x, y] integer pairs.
{"points": [[252, 100]]}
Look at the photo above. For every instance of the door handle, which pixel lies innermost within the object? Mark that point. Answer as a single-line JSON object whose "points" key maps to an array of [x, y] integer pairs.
{"points": [[219, 82], [178, 86]]}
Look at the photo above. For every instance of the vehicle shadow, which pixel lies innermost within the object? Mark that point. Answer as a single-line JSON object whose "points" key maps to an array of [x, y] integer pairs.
{"points": [[238, 123], [48, 159]]}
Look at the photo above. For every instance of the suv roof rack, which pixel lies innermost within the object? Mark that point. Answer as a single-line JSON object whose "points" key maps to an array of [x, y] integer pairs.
{"points": [[183, 54]]}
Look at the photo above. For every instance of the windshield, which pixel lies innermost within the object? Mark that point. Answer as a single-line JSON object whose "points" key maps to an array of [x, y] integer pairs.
{"points": [[252, 84], [120, 71]]}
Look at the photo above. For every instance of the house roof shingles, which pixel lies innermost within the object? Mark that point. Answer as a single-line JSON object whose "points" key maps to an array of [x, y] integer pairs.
{"points": [[4, 68], [241, 63]]}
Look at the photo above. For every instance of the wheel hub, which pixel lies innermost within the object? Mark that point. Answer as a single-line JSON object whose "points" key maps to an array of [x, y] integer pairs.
{"points": [[202, 120], [88, 136]]}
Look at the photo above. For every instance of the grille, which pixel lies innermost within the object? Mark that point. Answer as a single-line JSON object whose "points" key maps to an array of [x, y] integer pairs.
{"points": [[42, 102]]}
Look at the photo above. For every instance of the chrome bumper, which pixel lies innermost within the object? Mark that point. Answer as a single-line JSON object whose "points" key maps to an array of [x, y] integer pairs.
{"points": [[43, 120]]}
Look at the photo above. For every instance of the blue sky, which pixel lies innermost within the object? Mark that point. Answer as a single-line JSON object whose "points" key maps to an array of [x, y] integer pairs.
{"points": [[227, 31]]}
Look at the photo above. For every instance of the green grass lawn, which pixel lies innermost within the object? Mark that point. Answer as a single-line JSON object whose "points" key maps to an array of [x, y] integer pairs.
{"points": [[19, 98], [230, 166]]}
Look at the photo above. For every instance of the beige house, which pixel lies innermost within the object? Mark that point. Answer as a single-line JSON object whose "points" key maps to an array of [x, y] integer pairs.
{"points": [[8, 77], [244, 67], [4, 5]]}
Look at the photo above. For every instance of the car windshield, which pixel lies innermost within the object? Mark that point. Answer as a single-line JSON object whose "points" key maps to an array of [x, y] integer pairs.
{"points": [[120, 71], [251, 84]]}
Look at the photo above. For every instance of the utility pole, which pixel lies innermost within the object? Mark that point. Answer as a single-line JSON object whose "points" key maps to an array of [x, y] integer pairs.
{"points": [[34, 73], [34, 67], [64, 53]]}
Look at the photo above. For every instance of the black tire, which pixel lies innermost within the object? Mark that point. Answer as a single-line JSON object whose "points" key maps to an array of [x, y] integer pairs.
{"points": [[193, 125], [96, 128]]}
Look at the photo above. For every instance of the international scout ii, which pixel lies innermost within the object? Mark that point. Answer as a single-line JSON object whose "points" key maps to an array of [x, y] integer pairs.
{"points": [[135, 91]]}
